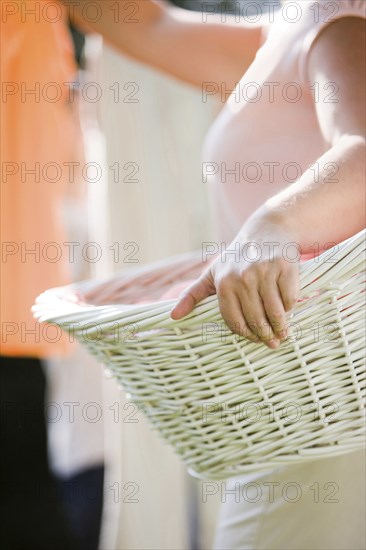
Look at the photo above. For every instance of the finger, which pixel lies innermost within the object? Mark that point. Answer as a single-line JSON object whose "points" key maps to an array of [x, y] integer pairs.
{"points": [[191, 296], [255, 316], [289, 286], [274, 308], [233, 316]]}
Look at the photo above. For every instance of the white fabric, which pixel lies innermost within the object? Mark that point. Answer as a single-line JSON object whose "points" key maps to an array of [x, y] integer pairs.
{"points": [[75, 412], [313, 506]]}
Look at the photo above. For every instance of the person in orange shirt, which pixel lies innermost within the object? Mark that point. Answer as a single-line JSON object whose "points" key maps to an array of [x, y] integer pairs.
{"points": [[40, 140], [39, 137]]}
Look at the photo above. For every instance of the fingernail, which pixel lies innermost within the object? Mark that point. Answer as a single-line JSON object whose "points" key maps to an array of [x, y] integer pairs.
{"points": [[273, 344]]}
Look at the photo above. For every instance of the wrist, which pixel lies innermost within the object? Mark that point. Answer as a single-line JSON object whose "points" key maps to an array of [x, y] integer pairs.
{"points": [[267, 223]]}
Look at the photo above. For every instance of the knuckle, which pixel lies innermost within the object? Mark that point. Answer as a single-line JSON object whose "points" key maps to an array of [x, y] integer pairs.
{"points": [[235, 327], [253, 326], [224, 285], [247, 276], [276, 315], [266, 332], [290, 301], [245, 332], [285, 268], [282, 261]]}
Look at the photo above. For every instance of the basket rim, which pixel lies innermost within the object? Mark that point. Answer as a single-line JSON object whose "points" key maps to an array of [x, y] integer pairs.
{"points": [[52, 306]]}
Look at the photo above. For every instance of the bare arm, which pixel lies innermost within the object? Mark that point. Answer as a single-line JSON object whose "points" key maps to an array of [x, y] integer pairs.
{"points": [[254, 297], [192, 46], [327, 210]]}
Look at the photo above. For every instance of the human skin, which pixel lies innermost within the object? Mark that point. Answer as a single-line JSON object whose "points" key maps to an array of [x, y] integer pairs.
{"points": [[176, 41], [255, 296]]}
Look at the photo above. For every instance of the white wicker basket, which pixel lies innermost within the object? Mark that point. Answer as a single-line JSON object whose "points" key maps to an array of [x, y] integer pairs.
{"points": [[226, 405]]}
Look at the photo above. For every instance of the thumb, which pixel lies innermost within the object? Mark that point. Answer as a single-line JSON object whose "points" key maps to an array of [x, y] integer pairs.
{"points": [[192, 295]]}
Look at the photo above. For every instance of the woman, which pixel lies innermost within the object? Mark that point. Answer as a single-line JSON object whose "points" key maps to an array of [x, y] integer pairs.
{"points": [[295, 126]]}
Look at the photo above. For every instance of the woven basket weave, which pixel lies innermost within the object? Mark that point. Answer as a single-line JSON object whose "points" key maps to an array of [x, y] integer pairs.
{"points": [[226, 405]]}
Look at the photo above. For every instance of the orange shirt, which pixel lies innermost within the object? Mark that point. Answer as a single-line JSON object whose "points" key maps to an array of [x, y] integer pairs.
{"points": [[38, 136]]}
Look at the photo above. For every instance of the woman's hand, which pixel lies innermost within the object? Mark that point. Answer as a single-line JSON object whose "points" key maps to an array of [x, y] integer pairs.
{"points": [[255, 286]]}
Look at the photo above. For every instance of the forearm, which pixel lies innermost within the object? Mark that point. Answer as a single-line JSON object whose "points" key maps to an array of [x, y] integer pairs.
{"points": [[124, 24], [172, 40], [324, 205]]}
